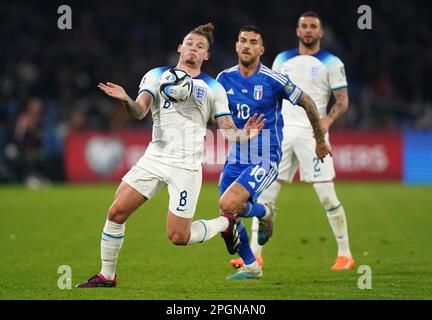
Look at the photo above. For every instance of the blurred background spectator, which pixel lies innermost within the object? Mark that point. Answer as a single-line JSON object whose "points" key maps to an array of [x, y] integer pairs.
{"points": [[48, 77]]}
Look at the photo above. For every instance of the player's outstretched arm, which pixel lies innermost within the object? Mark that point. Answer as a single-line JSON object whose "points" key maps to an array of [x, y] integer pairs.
{"points": [[233, 134], [337, 109], [322, 148], [138, 109]]}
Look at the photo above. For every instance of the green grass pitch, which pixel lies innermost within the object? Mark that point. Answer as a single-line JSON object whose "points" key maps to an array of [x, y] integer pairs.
{"points": [[389, 228]]}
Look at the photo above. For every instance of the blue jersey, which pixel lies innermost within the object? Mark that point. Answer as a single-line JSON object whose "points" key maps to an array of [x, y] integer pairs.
{"points": [[260, 93]]}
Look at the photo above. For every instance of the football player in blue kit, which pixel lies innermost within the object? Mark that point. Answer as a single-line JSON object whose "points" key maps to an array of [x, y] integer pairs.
{"points": [[252, 88], [322, 75]]}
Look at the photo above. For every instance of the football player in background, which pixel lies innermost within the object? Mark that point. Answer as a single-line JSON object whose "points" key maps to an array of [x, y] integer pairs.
{"points": [[252, 166], [320, 74], [173, 157]]}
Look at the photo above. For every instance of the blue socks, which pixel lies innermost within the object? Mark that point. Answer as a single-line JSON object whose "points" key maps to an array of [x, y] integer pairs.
{"points": [[254, 210], [244, 250]]}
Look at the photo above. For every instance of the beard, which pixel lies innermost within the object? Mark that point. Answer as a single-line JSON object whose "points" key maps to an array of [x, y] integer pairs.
{"points": [[310, 44], [245, 63], [190, 62]]}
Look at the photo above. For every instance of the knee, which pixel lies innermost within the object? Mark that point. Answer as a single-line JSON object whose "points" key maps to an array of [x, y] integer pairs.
{"points": [[116, 214], [178, 238], [226, 205]]}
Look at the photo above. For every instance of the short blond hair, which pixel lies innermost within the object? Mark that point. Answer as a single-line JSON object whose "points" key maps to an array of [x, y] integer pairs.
{"points": [[205, 30]]}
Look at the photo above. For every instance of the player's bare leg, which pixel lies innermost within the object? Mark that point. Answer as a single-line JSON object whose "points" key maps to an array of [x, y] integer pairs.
{"points": [[127, 201], [178, 229], [338, 222], [183, 231]]}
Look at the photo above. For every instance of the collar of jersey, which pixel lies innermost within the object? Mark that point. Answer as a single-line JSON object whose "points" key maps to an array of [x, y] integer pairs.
{"points": [[316, 55], [200, 76], [258, 70]]}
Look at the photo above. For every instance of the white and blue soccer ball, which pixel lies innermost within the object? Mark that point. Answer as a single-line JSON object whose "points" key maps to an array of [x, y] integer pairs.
{"points": [[175, 85]]}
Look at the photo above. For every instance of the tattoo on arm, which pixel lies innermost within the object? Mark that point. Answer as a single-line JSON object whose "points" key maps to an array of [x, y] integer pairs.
{"points": [[312, 113], [133, 108], [139, 108], [341, 104]]}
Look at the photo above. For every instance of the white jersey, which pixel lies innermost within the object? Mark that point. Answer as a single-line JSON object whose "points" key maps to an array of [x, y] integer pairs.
{"points": [[179, 128], [317, 75]]}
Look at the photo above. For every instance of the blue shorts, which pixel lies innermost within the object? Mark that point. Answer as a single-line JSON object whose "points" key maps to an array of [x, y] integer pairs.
{"points": [[254, 177]]}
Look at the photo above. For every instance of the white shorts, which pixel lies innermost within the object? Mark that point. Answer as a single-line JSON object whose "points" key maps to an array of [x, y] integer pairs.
{"points": [[298, 150], [184, 185]]}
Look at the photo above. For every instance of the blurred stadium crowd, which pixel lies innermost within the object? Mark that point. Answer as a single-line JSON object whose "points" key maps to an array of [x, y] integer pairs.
{"points": [[48, 77]]}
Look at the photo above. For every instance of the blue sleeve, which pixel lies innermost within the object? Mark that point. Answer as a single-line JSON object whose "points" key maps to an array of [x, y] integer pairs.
{"points": [[285, 87], [291, 92], [220, 78]]}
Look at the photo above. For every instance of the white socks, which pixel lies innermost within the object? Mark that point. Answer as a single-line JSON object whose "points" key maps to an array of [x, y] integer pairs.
{"points": [[271, 193], [336, 216], [111, 243], [113, 236], [254, 267], [256, 248], [203, 230], [335, 213], [337, 220], [268, 195]]}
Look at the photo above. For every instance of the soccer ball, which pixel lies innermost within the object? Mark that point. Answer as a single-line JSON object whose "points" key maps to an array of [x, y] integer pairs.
{"points": [[175, 85]]}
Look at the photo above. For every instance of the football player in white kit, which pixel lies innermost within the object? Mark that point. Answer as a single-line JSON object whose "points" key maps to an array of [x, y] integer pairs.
{"points": [[174, 156], [320, 74]]}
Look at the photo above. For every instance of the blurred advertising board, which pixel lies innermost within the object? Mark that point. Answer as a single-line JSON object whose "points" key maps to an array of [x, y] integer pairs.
{"points": [[93, 156], [417, 157]]}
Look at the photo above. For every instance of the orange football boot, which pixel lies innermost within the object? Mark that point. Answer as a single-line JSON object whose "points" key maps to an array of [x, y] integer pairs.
{"points": [[343, 263], [238, 263]]}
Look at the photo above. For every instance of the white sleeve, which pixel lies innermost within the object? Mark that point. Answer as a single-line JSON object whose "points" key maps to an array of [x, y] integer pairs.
{"points": [[277, 63], [150, 83], [220, 103], [336, 75]]}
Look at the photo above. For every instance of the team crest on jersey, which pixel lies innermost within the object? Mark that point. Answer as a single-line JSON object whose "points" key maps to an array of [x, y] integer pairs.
{"points": [[199, 93], [258, 92]]}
